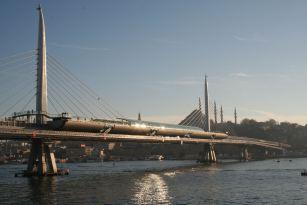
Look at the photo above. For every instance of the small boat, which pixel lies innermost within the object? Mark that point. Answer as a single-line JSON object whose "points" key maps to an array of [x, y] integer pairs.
{"points": [[304, 173]]}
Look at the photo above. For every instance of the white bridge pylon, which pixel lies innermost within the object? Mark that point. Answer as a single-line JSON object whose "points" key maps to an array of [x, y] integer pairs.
{"points": [[41, 89]]}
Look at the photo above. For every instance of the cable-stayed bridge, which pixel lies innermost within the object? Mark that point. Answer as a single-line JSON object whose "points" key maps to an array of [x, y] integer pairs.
{"points": [[30, 92]]}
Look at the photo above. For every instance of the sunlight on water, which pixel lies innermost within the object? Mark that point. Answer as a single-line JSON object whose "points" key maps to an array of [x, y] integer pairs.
{"points": [[170, 174], [151, 189]]}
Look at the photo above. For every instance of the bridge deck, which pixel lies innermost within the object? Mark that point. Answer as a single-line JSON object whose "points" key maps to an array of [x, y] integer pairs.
{"points": [[22, 133]]}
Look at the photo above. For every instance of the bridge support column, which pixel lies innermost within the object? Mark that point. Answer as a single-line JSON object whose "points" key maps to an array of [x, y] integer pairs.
{"points": [[244, 154], [208, 155], [41, 161]]}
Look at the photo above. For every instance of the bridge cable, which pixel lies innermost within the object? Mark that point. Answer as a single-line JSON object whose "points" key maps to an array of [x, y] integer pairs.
{"points": [[189, 117], [68, 86], [85, 91], [17, 54], [16, 75], [70, 98], [79, 90], [192, 117], [89, 90], [198, 120], [18, 101], [52, 104], [8, 86], [29, 101], [50, 94], [75, 98], [17, 66], [15, 93], [15, 61], [67, 97], [60, 104], [77, 93], [70, 109]]}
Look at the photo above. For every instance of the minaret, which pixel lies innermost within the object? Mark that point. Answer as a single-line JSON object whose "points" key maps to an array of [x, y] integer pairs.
{"points": [[207, 119], [41, 89], [222, 115], [236, 116], [215, 113], [139, 116]]}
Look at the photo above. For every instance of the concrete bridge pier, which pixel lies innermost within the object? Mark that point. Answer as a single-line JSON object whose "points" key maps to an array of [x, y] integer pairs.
{"points": [[208, 155], [41, 160], [244, 154]]}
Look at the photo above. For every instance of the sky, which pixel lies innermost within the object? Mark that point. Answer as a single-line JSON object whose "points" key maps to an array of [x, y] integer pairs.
{"points": [[151, 56]]}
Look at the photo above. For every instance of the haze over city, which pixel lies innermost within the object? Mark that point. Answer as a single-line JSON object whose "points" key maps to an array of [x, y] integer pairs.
{"points": [[151, 56]]}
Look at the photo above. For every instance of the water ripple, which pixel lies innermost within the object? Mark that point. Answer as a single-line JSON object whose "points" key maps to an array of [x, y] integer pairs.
{"points": [[168, 182]]}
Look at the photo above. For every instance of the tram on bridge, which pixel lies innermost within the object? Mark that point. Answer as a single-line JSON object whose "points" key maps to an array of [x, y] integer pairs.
{"points": [[132, 127]]}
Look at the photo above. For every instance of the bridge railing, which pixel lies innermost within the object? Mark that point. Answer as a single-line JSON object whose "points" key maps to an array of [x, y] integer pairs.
{"points": [[35, 113], [13, 123], [280, 144]]}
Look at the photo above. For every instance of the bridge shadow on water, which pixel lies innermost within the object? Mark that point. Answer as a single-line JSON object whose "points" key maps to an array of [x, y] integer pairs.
{"points": [[42, 190]]}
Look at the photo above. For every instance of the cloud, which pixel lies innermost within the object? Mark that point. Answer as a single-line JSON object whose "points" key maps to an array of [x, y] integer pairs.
{"points": [[78, 47], [255, 38], [241, 75], [264, 75]]}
